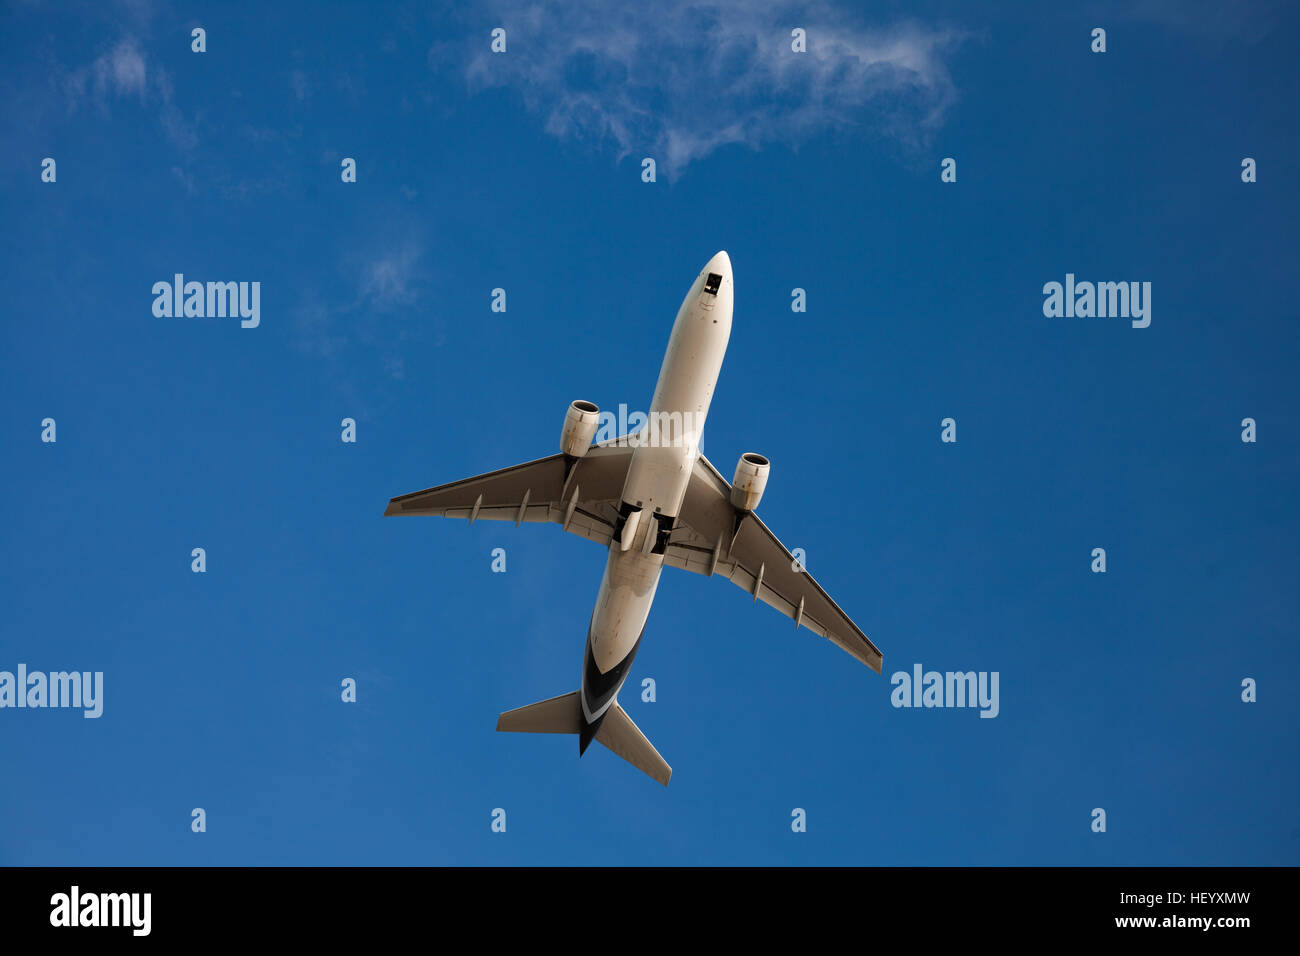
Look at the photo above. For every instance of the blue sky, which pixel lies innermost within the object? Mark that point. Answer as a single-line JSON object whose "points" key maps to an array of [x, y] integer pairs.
{"points": [[523, 171]]}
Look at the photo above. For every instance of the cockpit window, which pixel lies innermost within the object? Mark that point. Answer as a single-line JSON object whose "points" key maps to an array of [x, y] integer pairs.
{"points": [[712, 283]]}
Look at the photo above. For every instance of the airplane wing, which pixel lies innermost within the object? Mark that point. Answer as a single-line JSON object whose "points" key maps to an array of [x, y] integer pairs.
{"points": [[582, 499], [711, 536]]}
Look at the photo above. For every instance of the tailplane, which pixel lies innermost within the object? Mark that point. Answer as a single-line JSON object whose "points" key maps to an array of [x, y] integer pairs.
{"points": [[620, 735], [558, 715], [617, 732]]}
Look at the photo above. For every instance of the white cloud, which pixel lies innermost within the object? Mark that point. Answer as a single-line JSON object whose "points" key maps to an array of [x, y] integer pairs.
{"points": [[366, 322], [185, 179], [389, 279], [121, 70], [678, 82], [174, 124]]}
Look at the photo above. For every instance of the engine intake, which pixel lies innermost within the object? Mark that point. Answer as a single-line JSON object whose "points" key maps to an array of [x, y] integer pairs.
{"points": [[580, 423], [750, 481]]}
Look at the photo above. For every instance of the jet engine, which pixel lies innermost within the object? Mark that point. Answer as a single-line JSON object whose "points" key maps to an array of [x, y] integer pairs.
{"points": [[751, 478], [580, 423]]}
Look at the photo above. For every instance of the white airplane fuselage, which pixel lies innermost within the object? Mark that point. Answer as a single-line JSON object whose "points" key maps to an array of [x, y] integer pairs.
{"points": [[657, 478]]}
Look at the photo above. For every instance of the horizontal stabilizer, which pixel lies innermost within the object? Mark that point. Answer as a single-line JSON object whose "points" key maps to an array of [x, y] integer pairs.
{"points": [[563, 715], [619, 734], [558, 715]]}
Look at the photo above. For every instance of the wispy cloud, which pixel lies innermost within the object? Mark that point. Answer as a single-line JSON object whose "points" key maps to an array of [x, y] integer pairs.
{"points": [[384, 280], [122, 70], [367, 323], [123, 73], [119, 72], [389, 279], [185, 179], [678, 82], [174, 124]]}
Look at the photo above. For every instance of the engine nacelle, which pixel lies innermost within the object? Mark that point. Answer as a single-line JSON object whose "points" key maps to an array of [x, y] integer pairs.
{"points": [[580, 423], [751, 478]]}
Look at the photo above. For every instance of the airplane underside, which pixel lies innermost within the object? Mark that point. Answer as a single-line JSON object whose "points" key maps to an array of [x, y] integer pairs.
{"points": [[653, 501]]}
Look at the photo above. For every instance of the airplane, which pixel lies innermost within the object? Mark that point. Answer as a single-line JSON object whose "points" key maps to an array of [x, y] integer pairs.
{"points": [[653, 500]]}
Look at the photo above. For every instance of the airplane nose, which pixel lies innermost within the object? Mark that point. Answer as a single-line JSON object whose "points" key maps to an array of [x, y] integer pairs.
{"points": [[720, 263]]}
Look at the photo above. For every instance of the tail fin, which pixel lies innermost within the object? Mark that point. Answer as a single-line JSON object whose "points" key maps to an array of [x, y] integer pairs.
{"points": [[563, 715]]}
